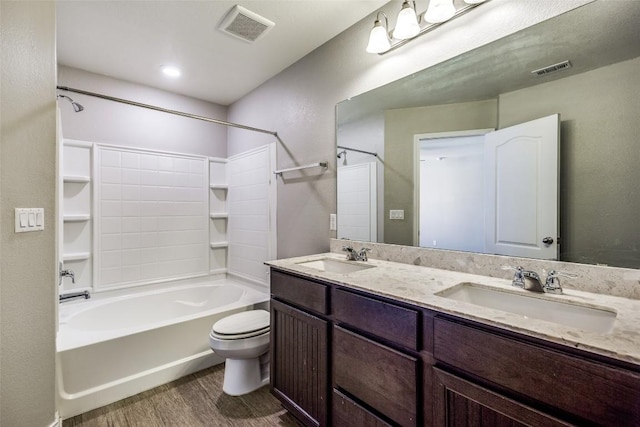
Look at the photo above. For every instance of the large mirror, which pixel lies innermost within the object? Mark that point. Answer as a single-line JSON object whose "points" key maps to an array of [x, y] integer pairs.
{"points": [[597, 98]]}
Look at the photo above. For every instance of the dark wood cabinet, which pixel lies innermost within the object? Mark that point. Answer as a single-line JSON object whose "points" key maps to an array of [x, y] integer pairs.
{"points": [[299, 362], [461, 403], [347, 413], [378, 376], [344, 357], [562, 383]]}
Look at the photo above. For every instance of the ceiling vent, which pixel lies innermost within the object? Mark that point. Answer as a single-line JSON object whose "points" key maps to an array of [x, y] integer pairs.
{"points": [[245, 25], [551, 68]]}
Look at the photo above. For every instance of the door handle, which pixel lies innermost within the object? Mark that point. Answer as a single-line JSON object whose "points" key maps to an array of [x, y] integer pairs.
{"points": [[547, 240]]}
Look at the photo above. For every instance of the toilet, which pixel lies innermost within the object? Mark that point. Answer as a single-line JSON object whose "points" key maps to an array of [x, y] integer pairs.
{"points": [[243, 340]]}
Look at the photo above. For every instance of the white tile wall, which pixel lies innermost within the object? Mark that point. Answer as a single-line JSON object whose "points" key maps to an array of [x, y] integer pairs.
{"points": [[249, 214], [151, 216]]}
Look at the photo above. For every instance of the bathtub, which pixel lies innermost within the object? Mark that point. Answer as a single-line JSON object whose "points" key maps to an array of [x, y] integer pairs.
{"points": [[114, 346]]}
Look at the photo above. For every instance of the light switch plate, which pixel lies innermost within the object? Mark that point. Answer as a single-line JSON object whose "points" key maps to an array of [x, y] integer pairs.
{"points": [[333, 222], [29, 219], [396, 214]]}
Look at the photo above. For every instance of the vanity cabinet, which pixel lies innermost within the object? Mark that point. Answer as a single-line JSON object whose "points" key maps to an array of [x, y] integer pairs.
{"points": [[299, 347], [487, 373], [374, 357], [346, 357]]}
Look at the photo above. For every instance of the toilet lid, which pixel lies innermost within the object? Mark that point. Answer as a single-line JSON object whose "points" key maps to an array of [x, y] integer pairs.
{"points": [[241, 325]]}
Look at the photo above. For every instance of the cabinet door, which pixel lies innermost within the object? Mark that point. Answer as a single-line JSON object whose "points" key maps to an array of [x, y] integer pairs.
{"points": [[347, 413], [299, 362], [376, 375], [461, 403]]}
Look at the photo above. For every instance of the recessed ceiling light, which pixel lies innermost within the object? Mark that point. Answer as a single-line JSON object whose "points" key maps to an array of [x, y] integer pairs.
{"points": [[171, 71]]}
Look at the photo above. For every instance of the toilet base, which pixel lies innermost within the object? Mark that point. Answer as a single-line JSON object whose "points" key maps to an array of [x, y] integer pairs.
{"points": [[242, 376]]}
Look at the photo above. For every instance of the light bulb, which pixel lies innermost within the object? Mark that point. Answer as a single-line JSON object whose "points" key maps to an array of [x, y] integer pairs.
{"points": [[439, 11], [407, 23], [171, 71], [378, 39]]}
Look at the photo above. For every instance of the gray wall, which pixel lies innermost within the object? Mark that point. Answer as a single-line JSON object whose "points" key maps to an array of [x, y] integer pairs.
{"points": [[120, 124], [299, 103], [27, 179], [599, 158]]}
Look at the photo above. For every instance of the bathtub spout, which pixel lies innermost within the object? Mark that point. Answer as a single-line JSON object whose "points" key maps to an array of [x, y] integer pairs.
{"points": [[73, 295]]}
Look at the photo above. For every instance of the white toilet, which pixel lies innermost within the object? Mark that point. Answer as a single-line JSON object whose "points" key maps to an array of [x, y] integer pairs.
{"points": [[243, 340]]}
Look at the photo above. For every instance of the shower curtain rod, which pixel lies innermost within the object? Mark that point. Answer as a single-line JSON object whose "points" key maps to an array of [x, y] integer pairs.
{"points": [[164, 110], [359, 151]]}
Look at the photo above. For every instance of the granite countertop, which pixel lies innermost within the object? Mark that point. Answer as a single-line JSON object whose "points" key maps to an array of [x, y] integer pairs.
{"points": [[419, 285]]}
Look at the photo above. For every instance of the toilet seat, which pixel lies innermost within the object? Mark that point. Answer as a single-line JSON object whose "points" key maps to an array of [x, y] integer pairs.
{"points": [[242, 325]]}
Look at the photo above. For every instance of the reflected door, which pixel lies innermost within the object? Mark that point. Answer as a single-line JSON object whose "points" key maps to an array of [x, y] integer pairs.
{"points": [[521, 189], [357, 214]]}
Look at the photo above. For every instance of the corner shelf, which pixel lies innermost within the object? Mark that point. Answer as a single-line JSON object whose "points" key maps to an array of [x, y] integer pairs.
{"points": [[76, 256], [77, 179], [219, 186], [75, 208], [219, 215], [218, 245], [76, 218]]}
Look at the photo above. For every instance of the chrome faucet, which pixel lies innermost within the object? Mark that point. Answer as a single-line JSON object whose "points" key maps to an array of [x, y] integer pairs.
{"points": [[66, 273], [552, 284], [73, 295], [530, 280], [353, 255]]}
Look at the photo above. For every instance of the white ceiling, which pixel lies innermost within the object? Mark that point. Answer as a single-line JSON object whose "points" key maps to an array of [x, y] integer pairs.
{"points": [[131, 40]]}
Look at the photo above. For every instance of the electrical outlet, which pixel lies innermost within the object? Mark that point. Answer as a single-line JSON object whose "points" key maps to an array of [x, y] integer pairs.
{"points": [[396, 214], [333, 222]]}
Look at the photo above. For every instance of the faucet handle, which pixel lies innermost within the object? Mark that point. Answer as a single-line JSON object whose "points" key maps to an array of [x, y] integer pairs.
{"points": [[518, 276], [552, 284], [351, 253], [363, 254]]}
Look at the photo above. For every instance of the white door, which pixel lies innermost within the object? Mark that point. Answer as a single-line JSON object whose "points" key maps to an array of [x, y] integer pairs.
{"points": [[357, 212], [521, 192]]}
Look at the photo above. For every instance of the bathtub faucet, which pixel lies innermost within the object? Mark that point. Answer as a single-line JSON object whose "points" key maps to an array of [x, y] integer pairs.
{"points": [[67, 273], [73, 295]]}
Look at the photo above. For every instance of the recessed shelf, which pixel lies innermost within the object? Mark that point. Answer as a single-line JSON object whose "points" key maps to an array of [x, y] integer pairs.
{"points": [[81, 179], [76, 256], [217, 271], [219, 245], [219, 186], [218, 215], [76, 218]]}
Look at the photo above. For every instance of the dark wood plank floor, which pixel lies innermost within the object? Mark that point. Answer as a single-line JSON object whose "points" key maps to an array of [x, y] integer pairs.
{"points": [[195, 400]]}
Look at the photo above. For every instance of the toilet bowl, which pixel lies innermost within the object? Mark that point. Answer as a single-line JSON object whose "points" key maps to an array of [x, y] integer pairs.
{"points": [[243, 340]]}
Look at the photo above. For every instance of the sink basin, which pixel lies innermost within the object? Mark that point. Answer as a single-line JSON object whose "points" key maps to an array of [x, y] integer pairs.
{"points": [[334, 266], [590, 319]]}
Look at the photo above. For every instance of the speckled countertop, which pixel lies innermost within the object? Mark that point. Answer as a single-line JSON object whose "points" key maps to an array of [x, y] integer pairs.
{"points": [[419, 285]]}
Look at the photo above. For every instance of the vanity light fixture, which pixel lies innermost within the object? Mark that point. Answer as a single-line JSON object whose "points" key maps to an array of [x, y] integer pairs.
{"points": [[379, 37], [409, 23]]}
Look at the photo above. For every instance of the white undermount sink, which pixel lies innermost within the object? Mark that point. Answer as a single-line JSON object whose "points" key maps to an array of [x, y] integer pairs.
{"points": [[331, 265], [590, 319]]}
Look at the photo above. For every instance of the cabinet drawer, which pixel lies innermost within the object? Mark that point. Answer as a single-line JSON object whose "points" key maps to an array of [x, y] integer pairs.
{"points": [[377, 375], [388, 321], [590, 390], [347, 413], [301, 292]]}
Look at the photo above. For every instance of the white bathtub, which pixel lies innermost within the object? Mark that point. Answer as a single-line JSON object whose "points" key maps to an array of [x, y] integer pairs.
{"points": [[112, 347]]}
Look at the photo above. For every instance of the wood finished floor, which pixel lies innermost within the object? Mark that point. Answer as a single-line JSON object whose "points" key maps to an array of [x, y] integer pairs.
{"points": [[195, 400]]}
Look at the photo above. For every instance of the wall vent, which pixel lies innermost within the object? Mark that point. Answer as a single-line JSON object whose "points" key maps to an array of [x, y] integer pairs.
{"points": [[551, 68], [245, 25]]}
